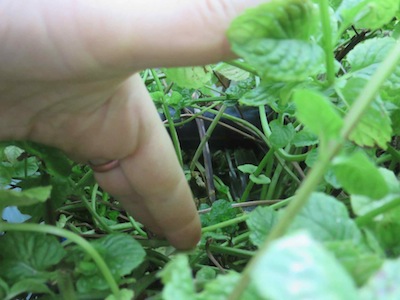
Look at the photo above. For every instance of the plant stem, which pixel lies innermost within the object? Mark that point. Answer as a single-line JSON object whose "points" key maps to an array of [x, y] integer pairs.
{"points": [[231, 251], [85, 245], [172, 129], [368, 217], [257, 172], [364, 99], [224, 224], [328, 46], [206, 137], [243, 66]]}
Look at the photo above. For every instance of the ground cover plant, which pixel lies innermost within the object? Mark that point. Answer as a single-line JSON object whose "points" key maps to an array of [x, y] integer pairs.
{"points": [[295, 173]]}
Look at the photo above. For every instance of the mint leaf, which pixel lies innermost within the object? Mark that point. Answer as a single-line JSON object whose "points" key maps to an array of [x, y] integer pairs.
{"points": [[307, 270], [247, 168], [260, 222], [20, 168], [264, 94], [304, 138], [358, 175], [374, 127], [361, 205], [189, 77], [222, 287], [122, 254], [275, 38], [370, 14], [260, 179], [384, 284], [231, 72], [177, 279], [28, 286], [326, 219], [221, 210], [28, 255], [365, 58], [318, 114], [359, 262], [24, 198], [123, 294], [281, 135]]}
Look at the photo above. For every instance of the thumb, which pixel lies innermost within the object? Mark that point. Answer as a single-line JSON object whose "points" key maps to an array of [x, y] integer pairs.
{"points": [[154, 33]]}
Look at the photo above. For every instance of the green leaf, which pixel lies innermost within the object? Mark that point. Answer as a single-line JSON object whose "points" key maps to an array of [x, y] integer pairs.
{"points": [[370, 14], [374, 128], [362, 205], [326, 219], [231, 72], [123, 294], [28, 255], [189, 77], [24, 198], [281, 135], [366, 57], [358, 175], [222, 287], [384, 284], [57, 163], [122, 254], [359, 262], [264, 94], [27, 166], [304, 138], [221, 210], [34, 285], [174, 99], [247, 168], [4, 289], [275, 38], [177, 279], [260, 222], [318, 114], [297, 267], [260, 179]]}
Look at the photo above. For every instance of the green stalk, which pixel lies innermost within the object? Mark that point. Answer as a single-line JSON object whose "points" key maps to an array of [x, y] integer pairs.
{"points": [[85, 245], [172, 129], [206, 137], [231, 251], [353, 117], [368, 217], [328, 46], [243, 66], [257, 172], [224, 224]]}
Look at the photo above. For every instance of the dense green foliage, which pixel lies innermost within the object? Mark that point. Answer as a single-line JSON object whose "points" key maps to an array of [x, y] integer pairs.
{"points": [[323, 171]]}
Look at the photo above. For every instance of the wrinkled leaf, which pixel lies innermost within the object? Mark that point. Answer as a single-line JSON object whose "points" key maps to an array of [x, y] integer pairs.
{"points": [[281, 135], [260, 223], [28, 255], [189, 77], [358, 261], [358, 175], [177, 279], [370, 14], [318, 114], [24, 198], [275, 38], [297, 267], [384, 284], [231, 72], [326, 219]]}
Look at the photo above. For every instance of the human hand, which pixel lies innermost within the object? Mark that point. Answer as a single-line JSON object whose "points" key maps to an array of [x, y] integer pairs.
{"points": [[67, 79]]}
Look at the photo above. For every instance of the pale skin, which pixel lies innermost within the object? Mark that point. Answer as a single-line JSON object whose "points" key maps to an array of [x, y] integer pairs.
{"points": [[68, 79]]}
